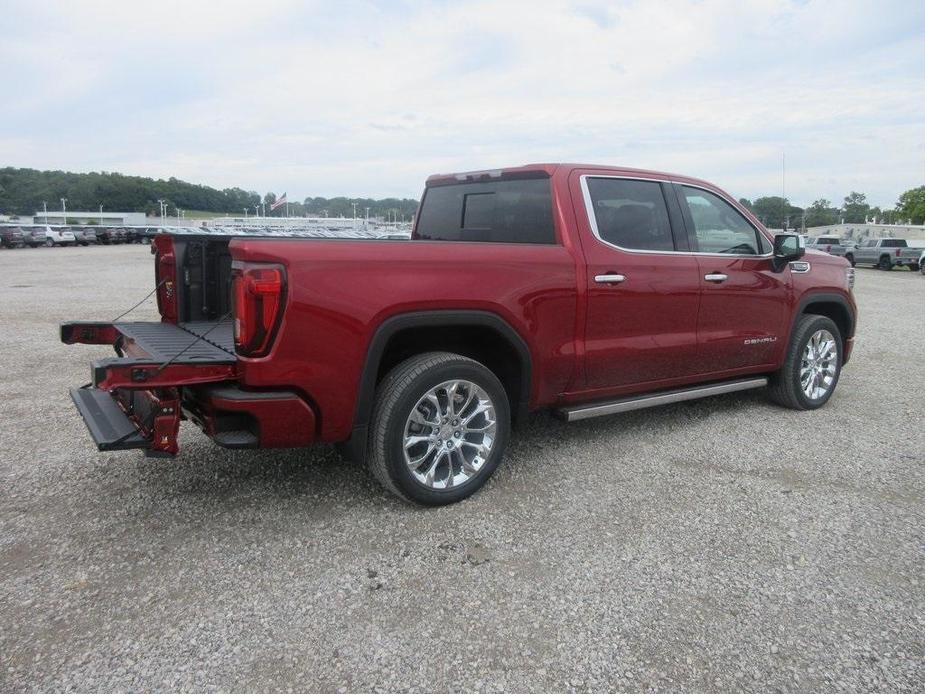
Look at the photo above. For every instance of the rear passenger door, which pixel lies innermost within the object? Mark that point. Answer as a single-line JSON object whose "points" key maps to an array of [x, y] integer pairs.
{"points": [[743, 301], [643, 285]]}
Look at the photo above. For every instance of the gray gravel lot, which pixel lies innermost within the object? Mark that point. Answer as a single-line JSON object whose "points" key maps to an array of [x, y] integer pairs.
{"points": [[725, 544]]}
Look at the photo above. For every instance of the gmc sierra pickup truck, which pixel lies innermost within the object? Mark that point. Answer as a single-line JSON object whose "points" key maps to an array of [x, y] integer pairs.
{"points": [[587, 290]]}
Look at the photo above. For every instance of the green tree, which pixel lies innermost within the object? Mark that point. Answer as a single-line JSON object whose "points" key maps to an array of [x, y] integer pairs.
{"points": [[855, 208], [911, 205], [821, 213], [776, 212], [747, 204]]}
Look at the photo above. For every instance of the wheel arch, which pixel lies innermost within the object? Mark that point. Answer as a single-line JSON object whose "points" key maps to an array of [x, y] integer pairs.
{"points": [[833, 306], [480, 335]]}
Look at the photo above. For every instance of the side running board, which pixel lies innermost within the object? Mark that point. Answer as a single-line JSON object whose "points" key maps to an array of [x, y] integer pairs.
{"points": [[639, 402]]}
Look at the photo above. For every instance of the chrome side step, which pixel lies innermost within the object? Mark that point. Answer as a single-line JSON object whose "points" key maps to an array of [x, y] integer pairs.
{"points": [[639, 402]]}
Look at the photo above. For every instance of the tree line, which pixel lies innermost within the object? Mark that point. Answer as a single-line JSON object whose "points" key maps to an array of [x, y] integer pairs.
{"points": [[777, 212], [24, 191]]}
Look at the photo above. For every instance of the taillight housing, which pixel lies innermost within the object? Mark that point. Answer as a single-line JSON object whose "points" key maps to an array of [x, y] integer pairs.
{"points": [[898, 250], [258, 294], [828, 249]]}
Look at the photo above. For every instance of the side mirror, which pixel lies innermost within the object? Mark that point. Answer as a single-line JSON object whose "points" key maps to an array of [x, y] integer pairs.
{"points": [[787, 248]]}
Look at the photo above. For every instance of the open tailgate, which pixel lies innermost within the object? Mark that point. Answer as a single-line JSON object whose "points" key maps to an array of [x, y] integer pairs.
{"points": [[133, 399]]}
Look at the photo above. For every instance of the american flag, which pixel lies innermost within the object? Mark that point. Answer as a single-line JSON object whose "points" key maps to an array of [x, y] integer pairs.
{"points": [[280, 201]]}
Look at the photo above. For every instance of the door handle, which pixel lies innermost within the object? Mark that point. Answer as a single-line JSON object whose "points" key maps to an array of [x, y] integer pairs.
{"points": [[610, 278], [716, 277]]}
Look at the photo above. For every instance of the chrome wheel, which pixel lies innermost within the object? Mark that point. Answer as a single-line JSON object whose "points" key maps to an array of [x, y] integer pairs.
{"points": [[449, 434], [819, 364]]}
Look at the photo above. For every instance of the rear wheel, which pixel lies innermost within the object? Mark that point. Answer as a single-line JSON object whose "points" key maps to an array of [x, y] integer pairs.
{"points": [[811, 367], [439, 428], [914, 267], [49, 243], [885, 263]]}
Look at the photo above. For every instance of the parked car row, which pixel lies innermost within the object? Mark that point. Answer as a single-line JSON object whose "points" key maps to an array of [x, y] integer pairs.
{"points": [[20, 236], [881, 253]]}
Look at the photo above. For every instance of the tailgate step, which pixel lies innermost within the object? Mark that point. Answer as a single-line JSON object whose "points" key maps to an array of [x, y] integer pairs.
{"points": [[109, 426]]}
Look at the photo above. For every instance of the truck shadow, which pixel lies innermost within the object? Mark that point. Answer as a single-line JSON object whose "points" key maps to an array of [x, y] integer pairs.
{"points": [[320, 477]]}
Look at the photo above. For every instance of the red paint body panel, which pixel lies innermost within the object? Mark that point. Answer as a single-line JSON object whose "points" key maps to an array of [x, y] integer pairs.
{"points": [[339, 292]]}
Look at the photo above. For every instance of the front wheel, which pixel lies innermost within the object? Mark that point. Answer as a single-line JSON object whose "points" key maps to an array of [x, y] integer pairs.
{"points": [[439, 428], [49, 243], [811, 366]]}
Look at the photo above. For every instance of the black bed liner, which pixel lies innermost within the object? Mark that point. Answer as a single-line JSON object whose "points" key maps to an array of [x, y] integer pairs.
{"points": [[197, 342]]}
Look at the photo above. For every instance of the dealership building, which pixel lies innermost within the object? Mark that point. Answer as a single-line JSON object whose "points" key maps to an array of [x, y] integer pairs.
{"points": [[113, 219]]}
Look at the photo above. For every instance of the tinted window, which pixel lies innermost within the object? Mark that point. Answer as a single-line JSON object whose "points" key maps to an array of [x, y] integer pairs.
{"points": [[631, 214], [500, 211], [719, 227], [893, 243]]}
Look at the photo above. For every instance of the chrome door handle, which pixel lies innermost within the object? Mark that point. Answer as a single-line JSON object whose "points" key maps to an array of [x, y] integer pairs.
{"points": [[716, 277], [610, 279]]}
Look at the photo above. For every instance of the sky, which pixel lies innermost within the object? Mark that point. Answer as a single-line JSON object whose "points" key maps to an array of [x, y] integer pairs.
{"points": [[369, 98]]}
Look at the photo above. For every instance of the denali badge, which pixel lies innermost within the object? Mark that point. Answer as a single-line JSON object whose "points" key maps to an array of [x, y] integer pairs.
{"points": [[760, 340]]}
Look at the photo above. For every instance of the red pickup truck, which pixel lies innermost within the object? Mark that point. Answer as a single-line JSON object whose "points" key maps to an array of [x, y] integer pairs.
{"points": [[589, 290]]}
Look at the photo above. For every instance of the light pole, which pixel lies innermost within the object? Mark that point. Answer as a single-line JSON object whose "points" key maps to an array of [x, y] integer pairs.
{"points": [[245, 213], [256, 210], [160, 203], [101, 214], [263, 209], [64, 210], [45, 207], [367, 216]]}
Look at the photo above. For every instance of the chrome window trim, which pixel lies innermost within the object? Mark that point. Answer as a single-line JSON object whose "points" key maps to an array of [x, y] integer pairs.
{"points": [[592, 218]]}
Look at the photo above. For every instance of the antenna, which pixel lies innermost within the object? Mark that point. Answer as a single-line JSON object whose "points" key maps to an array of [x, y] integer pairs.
{"points": [[783, 186]]}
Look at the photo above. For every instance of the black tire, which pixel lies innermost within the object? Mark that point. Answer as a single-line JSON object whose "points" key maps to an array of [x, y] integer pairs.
{"points": [[914, 267], [850, 258], [49, 243], [785, 388], [885, 263], [396, 397]]}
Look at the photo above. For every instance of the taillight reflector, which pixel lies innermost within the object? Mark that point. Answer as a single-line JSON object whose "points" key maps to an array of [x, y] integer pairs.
{"points": [[258, 293]]}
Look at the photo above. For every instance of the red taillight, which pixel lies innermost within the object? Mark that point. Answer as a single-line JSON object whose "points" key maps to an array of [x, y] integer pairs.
{"points": [[828, 249], [258, 293], [897, 252]]}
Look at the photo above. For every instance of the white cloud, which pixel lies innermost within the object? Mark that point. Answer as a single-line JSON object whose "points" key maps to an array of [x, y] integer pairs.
{"points": [[369, 98]]}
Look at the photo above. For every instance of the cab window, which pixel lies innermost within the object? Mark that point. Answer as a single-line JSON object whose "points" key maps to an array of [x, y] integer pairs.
{"points": [[719, 227]]}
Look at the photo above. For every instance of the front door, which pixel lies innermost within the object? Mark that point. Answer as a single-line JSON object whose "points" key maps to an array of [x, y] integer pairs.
{"points": [[743, 301], [643, 287]]}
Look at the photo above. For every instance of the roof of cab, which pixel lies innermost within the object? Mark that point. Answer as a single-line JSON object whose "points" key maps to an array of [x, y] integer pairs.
{"points": [[547, 170]]}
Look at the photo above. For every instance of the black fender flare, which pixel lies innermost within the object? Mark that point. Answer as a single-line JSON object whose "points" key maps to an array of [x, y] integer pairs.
{"points": [[355, 448], [823, 297]]}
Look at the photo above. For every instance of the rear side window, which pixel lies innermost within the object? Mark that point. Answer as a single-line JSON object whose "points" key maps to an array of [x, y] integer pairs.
{"points": [[893, 243], [518, 211], [631, 214], [719, 227]]}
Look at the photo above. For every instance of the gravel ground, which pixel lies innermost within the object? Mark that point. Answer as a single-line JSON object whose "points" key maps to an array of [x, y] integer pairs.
{"points": [[724, 544]]}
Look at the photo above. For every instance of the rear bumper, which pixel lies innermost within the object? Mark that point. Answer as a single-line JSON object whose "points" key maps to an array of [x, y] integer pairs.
{"points": [[237, 418]]}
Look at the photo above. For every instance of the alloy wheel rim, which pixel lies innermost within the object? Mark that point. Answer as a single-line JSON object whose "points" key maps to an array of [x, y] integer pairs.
{"points": [[819, 364], [449, 434]]}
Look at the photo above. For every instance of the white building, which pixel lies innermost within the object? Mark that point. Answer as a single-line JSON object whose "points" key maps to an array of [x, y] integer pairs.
{"points": [[857, 232], [101, 218]]}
